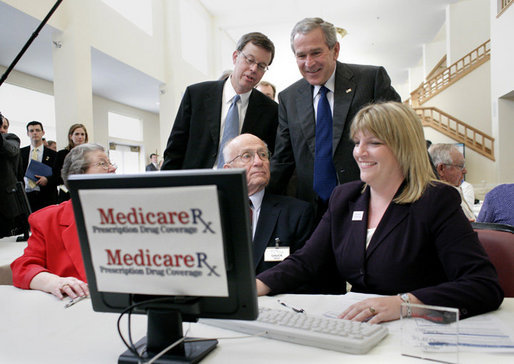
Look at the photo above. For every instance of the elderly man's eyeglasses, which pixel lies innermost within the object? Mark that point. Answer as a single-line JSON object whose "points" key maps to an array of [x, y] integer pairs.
{"points": [[105, 165], [250, 61], [248, 157], [459, 166]]}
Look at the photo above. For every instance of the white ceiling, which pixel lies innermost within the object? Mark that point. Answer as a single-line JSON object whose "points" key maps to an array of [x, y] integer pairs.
{"points": [[382, 32]]}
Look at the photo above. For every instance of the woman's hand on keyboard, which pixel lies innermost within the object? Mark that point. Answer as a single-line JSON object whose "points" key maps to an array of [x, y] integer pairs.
{"points": [[374, 310]]}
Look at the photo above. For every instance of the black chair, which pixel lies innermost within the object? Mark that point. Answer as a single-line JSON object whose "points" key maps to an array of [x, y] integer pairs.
{"points": [[492, 226]]}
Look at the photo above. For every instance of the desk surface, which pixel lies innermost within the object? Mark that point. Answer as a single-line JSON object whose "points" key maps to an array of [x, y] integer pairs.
{"points": [[37, 328]]}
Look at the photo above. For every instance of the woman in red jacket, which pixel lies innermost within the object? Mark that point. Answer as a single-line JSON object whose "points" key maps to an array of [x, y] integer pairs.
{"points": [[52, 261]]}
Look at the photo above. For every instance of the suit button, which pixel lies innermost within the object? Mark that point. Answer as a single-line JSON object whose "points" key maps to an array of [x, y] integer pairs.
{"points": [[362, 272]]}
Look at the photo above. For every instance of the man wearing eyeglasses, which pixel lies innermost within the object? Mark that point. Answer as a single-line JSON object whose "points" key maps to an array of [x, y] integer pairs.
{"points": [[215, 111], [322, 156], [450, 166], [280, 224]]}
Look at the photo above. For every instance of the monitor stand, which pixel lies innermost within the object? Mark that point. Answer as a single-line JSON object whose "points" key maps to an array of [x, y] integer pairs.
{"points": [[164, 328]]}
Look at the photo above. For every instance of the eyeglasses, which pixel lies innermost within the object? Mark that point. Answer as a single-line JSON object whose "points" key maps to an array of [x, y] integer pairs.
{"points": [[248, 157], [250, 61], [105, 165], [459, 166]]}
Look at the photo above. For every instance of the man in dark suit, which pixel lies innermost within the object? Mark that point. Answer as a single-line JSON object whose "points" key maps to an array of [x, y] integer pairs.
{"points": [[348, 88], [9, 157], [153, 166], [280, 224], [43, 191], [201, 126]]}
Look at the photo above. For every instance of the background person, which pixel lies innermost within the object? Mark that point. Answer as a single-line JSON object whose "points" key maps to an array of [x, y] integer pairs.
{"points": [[77, 135], [450, 166], [321, 152], [398, 232], [154, 164], [52, 261], [43, 191], [267, 88], [498, 206], [201, 129], [9, 173], [280, 224]]}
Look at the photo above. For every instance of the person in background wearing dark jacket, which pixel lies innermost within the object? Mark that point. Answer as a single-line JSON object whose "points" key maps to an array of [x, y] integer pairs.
{"points": [[398, 233], [77, 135]]}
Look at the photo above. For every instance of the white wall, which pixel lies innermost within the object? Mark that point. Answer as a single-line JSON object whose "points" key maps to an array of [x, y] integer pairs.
{"points": [[502, 90], [468, 26]]}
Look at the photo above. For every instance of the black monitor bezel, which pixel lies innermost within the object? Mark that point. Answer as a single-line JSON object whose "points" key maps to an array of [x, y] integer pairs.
{"points": [[241, 302]]}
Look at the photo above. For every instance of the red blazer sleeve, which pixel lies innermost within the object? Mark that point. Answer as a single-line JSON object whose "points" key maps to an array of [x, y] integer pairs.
{"points": [[46, 250]]}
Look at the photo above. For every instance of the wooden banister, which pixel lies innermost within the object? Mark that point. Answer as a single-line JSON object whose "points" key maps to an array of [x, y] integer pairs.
{"points": [[452, 74], [458, 130]]}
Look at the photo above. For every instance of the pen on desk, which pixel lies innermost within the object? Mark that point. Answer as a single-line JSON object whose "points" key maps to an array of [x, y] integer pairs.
{"points": [[74, 300], [297, 310]]}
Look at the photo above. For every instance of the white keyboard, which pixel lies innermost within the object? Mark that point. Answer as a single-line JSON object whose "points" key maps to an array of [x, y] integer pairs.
{"points": [[300, 328]]}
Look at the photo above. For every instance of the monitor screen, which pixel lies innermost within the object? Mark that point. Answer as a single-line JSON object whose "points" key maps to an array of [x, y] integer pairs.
{"points": [[175, 245]]}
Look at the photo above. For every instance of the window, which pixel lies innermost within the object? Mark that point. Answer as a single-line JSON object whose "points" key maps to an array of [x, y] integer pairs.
{"points": [[21, 105], [125, 127]]}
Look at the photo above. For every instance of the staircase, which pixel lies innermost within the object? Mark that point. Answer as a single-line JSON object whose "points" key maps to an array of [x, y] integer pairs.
{"points": [[452, 74], [457, 130]]}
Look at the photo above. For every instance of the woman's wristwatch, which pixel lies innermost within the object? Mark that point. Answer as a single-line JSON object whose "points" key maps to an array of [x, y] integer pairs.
{"points": [[405, 298]]}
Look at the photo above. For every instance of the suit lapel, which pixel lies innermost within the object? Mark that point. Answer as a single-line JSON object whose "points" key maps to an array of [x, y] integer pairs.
{"points": [[70, 238], [343, 97], [46, 157], [357, 234], [268, 218], [252, 113], [393, 216], [212, 111], [306, 115]]}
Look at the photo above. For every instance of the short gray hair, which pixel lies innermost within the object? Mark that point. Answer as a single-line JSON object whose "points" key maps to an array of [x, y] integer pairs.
{"points": [[227, 149], [307, 25], [441, 153], [77, 161]]}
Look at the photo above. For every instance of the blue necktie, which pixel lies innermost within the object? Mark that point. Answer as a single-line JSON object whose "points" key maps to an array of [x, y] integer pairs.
{"points": [[324, 171], [231, 129]]}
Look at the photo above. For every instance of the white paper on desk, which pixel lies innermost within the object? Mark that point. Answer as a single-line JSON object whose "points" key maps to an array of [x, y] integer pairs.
{"points": [[485, 333]]}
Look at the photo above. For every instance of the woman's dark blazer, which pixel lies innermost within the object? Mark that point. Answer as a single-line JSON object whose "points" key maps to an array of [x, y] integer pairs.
{"points": [[427, 248]]}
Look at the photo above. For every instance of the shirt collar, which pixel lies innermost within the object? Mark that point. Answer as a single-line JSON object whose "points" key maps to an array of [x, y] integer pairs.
{"points": [[229, 93], [330, 84], [256, 199]]}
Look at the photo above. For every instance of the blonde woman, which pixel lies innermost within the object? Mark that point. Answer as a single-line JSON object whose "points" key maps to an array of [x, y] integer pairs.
{"points": [[398, 232]]}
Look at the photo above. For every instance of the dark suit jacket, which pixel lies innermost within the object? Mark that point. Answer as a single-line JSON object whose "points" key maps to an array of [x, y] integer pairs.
{"points": [[151, 168], [9, 156], [49, 192], [194, 139], [286, 218], [427, 248], [59, 162], [355, 86], [53, 247]]}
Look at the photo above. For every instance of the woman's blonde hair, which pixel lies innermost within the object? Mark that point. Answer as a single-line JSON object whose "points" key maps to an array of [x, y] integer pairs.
{"points": [[398, 126]]}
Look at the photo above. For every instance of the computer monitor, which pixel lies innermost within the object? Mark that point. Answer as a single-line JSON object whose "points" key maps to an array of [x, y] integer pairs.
{"points": [[175, 244]]}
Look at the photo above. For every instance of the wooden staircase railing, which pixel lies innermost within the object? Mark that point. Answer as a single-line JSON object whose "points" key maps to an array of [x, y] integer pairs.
{"points": [[452, 74], [457, 130]]}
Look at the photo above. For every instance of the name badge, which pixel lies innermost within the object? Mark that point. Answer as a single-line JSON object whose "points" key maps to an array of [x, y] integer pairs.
{"points": [[275, 254], [357, 215]]}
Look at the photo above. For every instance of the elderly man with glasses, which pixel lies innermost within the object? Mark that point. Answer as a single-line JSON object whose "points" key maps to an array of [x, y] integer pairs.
{"points": [[280, 224], [449, 164], [213, 112]]}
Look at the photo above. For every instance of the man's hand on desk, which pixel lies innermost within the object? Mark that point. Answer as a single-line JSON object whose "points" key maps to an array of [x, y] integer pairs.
{"points": [[377, 309]]}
